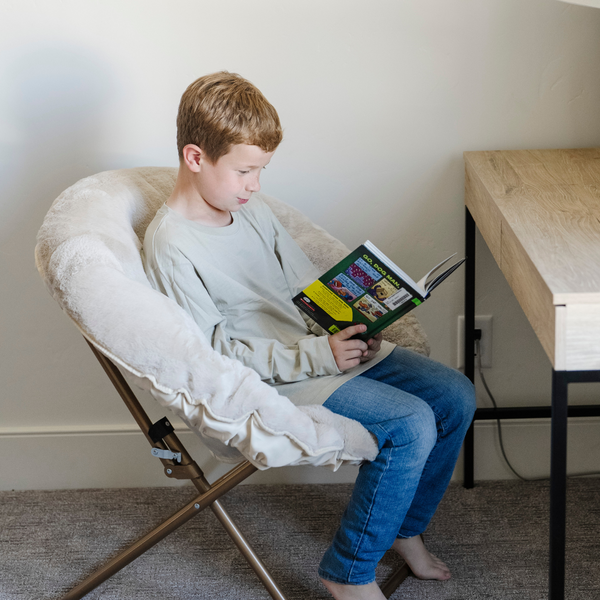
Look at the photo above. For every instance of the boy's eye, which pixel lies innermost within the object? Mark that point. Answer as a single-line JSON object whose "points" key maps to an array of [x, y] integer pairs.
{"points": [[244, 172]]}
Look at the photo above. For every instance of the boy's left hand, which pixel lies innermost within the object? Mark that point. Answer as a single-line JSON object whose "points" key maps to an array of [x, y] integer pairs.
{"points": [[374, 345]]}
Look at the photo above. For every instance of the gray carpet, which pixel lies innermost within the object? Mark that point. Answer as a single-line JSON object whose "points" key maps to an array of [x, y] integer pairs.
{"points": [[493, 537]]}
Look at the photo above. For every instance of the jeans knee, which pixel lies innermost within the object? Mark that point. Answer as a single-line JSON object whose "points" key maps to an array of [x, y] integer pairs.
{"points": [[463, 398], [418, 430]]}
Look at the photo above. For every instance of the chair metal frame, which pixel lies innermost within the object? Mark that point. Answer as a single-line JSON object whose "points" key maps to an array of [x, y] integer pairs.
{"points": [[209, 496]]}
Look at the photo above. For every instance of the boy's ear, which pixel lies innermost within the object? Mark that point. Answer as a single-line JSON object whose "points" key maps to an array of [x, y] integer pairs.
{"points": [[192, 156]]}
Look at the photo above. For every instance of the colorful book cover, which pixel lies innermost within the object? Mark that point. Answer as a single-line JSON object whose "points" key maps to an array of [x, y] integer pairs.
{"points": [[365, 287]]}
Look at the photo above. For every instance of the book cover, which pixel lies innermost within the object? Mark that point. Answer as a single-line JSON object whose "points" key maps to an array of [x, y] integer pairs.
{"points": [[366, 287]]}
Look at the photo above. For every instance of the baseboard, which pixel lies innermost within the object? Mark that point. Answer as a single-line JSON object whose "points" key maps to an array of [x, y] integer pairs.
{"points": [[119, 456], [527, 446], [116, 456]]}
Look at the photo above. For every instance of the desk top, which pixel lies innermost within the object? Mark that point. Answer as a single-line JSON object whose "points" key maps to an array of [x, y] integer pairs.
{"points": [[539, 213]]}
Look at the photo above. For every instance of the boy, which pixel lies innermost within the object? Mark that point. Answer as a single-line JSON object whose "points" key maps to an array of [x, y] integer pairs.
{"points": [[217, 249]]}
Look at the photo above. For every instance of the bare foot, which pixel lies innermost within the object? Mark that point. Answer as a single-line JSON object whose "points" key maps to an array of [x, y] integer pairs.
{"points": [[422, 563], [339, 591]]}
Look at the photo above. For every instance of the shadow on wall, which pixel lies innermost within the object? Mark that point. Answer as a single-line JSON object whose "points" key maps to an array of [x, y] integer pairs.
{"points": [[54, 103]]}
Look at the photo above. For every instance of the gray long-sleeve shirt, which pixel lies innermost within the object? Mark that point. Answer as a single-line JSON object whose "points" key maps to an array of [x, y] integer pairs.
{"points": [[237, 283]]}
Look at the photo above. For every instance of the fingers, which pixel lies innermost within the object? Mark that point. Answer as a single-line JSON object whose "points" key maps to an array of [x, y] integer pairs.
{"points": [[350, 364], [342, 339], [368, 355], [354, 352], [373, 347], [346, 334], [349, 352], [375, 342]]}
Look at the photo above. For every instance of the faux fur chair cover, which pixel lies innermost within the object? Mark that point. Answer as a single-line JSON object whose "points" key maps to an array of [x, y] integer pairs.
{"points": [[88, 254]]}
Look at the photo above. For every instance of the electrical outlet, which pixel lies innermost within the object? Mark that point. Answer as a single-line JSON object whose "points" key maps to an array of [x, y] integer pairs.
{"points": [[485, 343]]}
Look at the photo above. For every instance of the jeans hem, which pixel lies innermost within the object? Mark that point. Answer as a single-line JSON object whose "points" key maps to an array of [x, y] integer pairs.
{"points": [[328, 577], [403, 536]]}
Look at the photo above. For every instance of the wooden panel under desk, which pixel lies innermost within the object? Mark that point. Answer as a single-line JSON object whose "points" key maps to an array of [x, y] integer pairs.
{"points": [[530, 290], [539, 212], [479, 200]]}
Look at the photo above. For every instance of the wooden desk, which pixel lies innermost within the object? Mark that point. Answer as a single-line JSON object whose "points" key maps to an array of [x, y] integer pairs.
{"points": [[539, 213]]}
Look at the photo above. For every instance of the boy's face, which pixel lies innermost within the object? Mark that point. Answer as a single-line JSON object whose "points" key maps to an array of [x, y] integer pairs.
{"points": [[227, 185]]}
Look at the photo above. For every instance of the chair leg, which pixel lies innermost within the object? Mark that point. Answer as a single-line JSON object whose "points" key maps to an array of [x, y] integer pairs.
{"points": [[220, 487], [240, 541], [229, 525], [396, 578]]}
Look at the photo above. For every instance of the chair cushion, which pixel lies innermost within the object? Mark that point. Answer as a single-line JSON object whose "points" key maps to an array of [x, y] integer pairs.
{"points": [[88, 254]]}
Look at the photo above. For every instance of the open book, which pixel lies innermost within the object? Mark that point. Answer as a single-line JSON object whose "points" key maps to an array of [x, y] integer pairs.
{"points": [[367, 287]]}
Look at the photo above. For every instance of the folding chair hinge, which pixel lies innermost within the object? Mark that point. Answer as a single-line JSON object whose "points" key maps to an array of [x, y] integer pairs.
{"points": [[166, 454], [191, 471]]}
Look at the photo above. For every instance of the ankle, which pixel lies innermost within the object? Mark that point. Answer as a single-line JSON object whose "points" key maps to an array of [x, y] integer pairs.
{"points": [[340, 591]]}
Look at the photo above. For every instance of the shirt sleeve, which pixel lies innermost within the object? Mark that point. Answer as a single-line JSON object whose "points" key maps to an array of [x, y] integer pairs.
{"points": [[298, 270], [272, 360]]}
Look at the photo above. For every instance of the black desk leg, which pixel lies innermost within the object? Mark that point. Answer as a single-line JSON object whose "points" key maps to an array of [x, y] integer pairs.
{"points": [[469, 337], [558, 484]]}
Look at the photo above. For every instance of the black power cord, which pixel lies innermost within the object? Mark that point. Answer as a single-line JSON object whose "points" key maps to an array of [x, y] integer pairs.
{"points": [[491, 397]]}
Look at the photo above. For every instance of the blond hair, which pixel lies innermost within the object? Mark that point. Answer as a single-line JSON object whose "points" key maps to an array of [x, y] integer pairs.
{"points": [[220, 110]]}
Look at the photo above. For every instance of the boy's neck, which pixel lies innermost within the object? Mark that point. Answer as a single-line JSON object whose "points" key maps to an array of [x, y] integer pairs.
{"points": [[186, 201]]}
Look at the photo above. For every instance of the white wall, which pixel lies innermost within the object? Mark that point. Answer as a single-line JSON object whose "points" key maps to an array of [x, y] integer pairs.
{"points": [[378, 99]]}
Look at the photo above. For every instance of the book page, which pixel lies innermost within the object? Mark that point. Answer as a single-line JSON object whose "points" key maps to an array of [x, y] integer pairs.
{"points": [[423, 282]]}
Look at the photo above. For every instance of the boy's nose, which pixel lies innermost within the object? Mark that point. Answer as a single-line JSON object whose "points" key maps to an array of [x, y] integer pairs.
{"points": [[254, 185]]}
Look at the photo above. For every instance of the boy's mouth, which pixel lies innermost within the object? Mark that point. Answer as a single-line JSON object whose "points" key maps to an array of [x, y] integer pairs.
{"points": [[243, 200]]}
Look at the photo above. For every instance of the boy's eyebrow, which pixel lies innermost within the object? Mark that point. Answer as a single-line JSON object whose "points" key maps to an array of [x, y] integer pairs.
{"points": [[249, 167]]}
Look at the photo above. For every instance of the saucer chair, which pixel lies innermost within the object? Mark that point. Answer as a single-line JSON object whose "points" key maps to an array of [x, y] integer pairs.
{"points": [[88, 254]]}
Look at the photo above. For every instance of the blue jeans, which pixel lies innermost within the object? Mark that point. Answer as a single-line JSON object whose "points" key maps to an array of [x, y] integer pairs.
{"points": [[419, 410]]}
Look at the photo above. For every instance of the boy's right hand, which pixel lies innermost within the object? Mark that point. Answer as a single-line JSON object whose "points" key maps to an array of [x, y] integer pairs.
{"points": [[347, 352]]}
